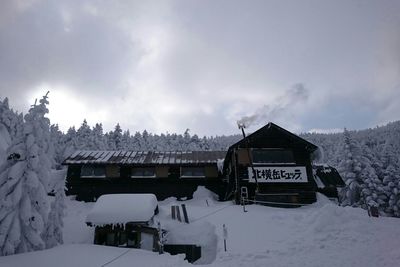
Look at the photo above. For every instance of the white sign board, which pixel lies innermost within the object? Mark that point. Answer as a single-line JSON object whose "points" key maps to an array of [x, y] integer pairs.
{"points": [[297, 174]]}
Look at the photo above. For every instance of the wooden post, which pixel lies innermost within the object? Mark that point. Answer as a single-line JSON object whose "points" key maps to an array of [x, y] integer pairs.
{"points": [[178, 213], [185, 215], [173, 214], [160, 239], [225, 234]]}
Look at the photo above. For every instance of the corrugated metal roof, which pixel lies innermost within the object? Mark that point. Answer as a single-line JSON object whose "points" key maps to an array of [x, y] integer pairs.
{"points": [[144, 157]]}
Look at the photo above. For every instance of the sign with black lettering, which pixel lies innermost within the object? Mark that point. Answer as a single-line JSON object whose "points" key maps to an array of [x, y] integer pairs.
{"points": [[296, 174]]}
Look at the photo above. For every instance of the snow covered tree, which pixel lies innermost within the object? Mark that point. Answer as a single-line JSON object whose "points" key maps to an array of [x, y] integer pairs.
{"points": [[391, 179], [350, 169], [8, 123], [23, 181], [69, 143], [83, 136], [52, 234], [116, 137], [97, 140], [56, 137]]}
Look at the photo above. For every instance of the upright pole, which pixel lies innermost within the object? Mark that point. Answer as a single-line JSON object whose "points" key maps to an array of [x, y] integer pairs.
{"points": [[246, 140], [160, 239], [225, 234]]}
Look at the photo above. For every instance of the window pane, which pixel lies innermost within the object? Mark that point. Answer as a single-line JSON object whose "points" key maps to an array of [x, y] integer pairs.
{"points": [[192, 172], [272, 156], [148, 172], [143, 172], [99, 171], [86, 170], [92, 171]]}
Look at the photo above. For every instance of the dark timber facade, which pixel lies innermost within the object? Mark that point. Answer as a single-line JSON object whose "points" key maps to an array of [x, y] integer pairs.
{"points": [[271, 159], [165, 174], [277, 162]]}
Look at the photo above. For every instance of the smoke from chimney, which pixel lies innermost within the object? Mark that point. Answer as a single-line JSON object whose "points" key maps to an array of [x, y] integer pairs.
{"points": [[292, 97]]}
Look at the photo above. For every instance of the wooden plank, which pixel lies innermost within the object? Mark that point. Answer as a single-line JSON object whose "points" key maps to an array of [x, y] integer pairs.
{"points": [[185, 215], [173, 212], [178, 213]]}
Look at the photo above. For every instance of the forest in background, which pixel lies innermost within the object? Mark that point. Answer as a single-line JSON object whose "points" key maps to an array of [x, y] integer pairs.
{"points": [[368, 160]]}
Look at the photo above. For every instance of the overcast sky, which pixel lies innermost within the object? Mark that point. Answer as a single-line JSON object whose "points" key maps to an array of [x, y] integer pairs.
{"points": [[166, 66]]}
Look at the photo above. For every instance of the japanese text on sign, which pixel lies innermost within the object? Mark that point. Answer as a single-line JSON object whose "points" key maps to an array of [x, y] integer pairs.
{"points": [[296, 174]]}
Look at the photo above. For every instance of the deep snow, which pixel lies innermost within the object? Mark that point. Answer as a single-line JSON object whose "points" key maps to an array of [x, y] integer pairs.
{"points": [[122, 208], [322, 234]]}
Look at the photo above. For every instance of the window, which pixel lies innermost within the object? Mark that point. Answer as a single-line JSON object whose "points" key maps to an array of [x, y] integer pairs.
{"points": [[275, 156], [90, 171], [113, 171], [192, 172], [143, 172]]}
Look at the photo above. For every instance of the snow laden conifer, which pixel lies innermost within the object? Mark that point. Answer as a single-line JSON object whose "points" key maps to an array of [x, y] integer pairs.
{"points": [[52, 234], [350, 169], [391, 179], [116, 138], [23, 183]]}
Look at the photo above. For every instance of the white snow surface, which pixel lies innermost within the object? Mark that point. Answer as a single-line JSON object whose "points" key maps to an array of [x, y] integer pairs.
{"points": [[122, 208], [322, 234]]}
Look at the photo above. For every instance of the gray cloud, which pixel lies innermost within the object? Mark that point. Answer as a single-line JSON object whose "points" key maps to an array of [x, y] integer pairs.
{"points": [[172, 65]]}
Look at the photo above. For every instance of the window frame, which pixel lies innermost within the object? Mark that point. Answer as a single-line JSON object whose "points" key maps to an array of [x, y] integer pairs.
{"points": [[272, 163], [93, 175], [193, 176], [143, 176]]}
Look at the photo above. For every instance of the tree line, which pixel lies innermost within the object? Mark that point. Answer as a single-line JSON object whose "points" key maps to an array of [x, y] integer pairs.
{"points": [[31, 148]]}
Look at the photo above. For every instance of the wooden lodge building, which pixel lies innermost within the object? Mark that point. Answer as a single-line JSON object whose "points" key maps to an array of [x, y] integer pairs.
{"points": [[271, 165]]}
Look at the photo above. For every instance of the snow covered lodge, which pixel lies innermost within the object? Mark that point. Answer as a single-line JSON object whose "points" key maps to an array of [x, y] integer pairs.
{"points": [[271, 165], [165, 174]]}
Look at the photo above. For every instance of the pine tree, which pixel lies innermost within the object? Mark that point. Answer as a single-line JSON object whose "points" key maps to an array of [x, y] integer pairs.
{"points": [[83, 136], [23, 182], [52, 234], [116, 137], [97, 141], [350, 169], [391, 178]]}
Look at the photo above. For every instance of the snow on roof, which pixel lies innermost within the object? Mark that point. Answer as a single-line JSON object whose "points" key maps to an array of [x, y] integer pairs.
{"points": [[122, 208], [144, 157]]}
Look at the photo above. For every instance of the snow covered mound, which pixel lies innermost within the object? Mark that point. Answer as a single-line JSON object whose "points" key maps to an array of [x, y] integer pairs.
{"points": [[81, 255], [322, 234], [199, 233], [122, 208]]}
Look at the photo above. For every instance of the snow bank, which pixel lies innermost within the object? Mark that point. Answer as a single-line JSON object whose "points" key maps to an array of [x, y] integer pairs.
{"points": [[122, 208], [197, 233], [202, 193], [321, 234], [92, 256]]}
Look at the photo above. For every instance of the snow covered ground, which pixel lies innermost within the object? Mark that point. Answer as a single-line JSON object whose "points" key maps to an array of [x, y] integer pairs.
{"points": [[321, 234]]}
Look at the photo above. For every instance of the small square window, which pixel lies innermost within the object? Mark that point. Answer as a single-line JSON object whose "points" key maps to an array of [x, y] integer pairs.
{"points": [[143, 172], [90, 171], [273, 156], [193, 172]]}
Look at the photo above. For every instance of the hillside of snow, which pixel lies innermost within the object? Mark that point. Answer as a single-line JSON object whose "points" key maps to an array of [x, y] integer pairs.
{"points": [[322, 234]]}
